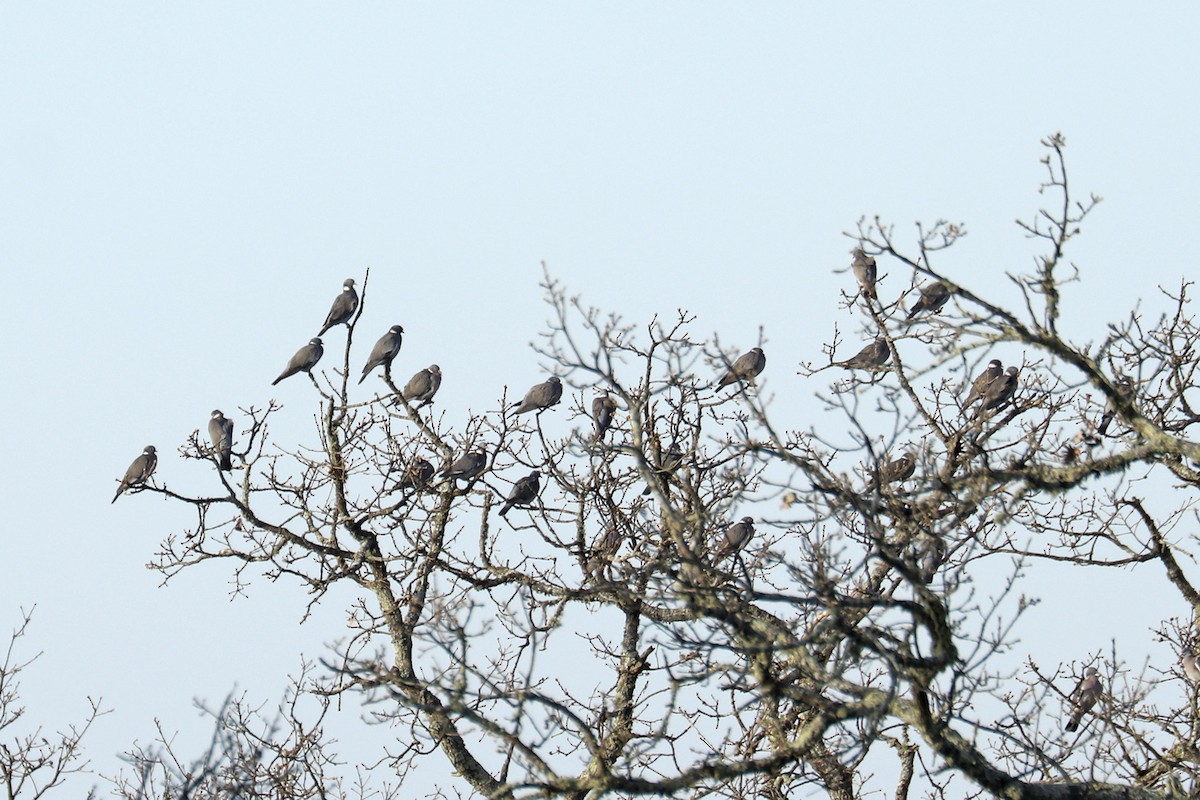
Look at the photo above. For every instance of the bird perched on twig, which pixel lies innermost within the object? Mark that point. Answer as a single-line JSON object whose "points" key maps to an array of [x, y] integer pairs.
{"points": [[421, 387], [898, 469], [1191, 669], [384, 351], [1124, 387], [467, 466], [524, 492], [305, 359], [603, 408], [933, 298], [343, 308], [864, 271], [1085, 695], [668, 462], [541, 396], [746, 368], [416, 475], [1000, 391], [139, 471], [736, 537], [872, 357], [990, 375], [220, 430]]}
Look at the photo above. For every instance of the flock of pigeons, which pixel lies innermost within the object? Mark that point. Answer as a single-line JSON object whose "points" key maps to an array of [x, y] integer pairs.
{"points": [[992, 389]]}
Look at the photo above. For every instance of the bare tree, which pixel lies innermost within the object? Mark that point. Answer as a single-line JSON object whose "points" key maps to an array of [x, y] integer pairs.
{"points": [[34, 762], [251, 755], [614, 635]]}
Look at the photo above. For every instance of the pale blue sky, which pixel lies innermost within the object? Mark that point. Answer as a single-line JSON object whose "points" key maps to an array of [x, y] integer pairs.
{"points": [[185, 186]]}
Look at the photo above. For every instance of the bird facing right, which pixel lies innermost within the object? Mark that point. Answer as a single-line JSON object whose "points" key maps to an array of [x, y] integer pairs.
{"points": [[872, 357], [343, 308], [305, 359], [524, 492], [384, 351], [139, 471], [541, 396], [736, 537], [421, 387], [747, 367]]}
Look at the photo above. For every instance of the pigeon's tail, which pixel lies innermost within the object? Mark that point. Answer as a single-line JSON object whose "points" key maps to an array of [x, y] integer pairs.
{"points": [[277, 380], [364, 377], [226, 464], [507, 507], [118, 494], [1073, 724]]}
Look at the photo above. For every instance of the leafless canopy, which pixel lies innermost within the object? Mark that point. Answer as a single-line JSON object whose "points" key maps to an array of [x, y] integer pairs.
{"points": [[590, 644]]}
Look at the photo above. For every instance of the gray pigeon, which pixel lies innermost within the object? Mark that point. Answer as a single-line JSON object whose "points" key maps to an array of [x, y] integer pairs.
{"points": [[220, 430], [1124, 387], [421, 387], [985, 379], [1001, 390], [668, 462], [343, 308], [1086, 693], [873, 356], [603, 408], [931, 552], [898, 469], [416, 475], [305, 359], [602, 551], [139, 471], [524, 492], [933, 298], [384, 351], [746, 368], [736, 537], [1191, 669], [864, 271], [468, 466], [541, 396]]}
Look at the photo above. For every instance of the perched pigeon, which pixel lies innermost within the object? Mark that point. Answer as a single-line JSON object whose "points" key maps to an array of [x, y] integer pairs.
{"points": [[933, 297], [985, 379], [873, 356], [384, 351], [667, 464], [1086, 693], [602, 551], [1001, 390], [1124, 387], [305, 359], [139, 471], [1191, 669], [416, 475], [746, 368], [898, 469], [468, 466], [603, 408], [864, 271], [541, 396], [736, 536], [931, 552], [421, 387], [220, 430], [524, 492], [343, 308]]}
